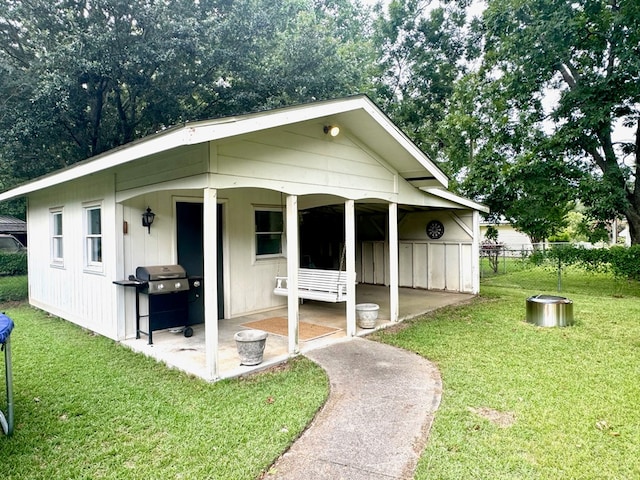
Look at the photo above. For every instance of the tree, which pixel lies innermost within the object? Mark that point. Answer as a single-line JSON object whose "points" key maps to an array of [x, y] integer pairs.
{"points": [[494, 130], [427, 84], [491, 249], [498, 155], [423, 48], [587, 52], [80, 77], [85, 77]]}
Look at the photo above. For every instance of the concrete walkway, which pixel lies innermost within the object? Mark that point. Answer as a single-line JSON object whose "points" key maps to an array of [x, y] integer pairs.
{"points": [[377, 418]]}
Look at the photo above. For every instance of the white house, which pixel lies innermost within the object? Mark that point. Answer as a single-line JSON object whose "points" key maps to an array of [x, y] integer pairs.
{"points": [[511, 238], [240, 200]]}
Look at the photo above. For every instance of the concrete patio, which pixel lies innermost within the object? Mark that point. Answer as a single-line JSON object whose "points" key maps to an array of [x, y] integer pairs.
{"points": [[188, 354]]}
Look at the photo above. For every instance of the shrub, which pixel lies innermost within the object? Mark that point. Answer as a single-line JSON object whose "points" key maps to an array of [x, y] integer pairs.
{"points": [[13, 263], [623, 262]]}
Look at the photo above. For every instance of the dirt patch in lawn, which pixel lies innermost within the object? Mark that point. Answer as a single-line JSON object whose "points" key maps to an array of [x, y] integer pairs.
{"points": [[501, 419]]}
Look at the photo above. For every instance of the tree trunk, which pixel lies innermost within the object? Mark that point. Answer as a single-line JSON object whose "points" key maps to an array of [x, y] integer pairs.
{"points": [[633, 212], [633, 219]]}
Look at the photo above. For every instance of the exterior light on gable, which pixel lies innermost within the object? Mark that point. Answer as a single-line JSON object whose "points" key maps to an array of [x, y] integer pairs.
{"points": [[332, 130], [147, 218]]}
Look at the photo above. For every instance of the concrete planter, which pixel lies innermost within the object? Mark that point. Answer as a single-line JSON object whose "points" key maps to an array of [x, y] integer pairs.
{"points": [[367, 314], [250, 345]]}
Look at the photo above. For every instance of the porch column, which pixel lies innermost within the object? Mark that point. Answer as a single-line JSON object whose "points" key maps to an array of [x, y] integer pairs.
{"points": [[475, 253], [210, 214], [121, 293], [350, 256], [394, 294], [293, 263]]}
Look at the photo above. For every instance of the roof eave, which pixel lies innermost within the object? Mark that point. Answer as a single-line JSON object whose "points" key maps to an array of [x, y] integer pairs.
{"points": [[211, 130], [452, 197]]}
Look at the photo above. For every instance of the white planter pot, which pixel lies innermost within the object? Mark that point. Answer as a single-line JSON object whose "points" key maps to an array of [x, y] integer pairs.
{"points": [[250, 345], [367, 314]]}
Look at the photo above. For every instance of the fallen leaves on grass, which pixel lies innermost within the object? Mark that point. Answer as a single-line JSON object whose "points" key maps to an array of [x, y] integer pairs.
{"points": [[604, 426]]}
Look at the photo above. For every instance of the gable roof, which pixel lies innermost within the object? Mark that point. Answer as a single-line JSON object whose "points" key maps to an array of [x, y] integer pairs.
{"points": [[359, 114]]}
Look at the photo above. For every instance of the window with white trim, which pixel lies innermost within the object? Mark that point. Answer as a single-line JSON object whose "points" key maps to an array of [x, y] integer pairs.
{"points": [[57, 250], [93, 236], [269, 228]]}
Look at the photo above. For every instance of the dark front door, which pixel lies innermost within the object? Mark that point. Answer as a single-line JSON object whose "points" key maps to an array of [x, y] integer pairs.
{"points": [[190, 232]]}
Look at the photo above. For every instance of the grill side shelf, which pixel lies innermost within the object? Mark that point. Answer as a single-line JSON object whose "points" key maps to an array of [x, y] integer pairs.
{"points": [[131, 283], [138, 285]]}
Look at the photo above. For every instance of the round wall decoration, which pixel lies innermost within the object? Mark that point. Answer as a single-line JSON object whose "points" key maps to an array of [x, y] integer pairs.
{"points": [[435, 229]]}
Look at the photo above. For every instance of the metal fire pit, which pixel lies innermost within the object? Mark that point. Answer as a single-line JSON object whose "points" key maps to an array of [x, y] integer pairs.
{"points": [[549, 311]]}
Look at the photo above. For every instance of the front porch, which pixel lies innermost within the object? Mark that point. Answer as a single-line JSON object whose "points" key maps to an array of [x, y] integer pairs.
{"points": [[188, 354]]}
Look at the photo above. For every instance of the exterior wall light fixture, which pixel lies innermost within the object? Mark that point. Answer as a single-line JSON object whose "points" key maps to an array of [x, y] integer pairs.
{"points": [[332, 130], [147, 219]]}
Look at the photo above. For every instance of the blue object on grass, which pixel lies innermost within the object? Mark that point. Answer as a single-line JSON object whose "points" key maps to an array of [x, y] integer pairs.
{"points": [[6, 326]]}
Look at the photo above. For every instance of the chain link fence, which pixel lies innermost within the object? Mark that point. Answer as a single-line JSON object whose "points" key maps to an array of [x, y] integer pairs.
{"points": [[499, 259]]}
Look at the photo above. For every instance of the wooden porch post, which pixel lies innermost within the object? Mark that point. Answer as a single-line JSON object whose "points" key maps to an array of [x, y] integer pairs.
{"points": [[350, 247], [394, 294], [475, 253], [210, 214], [121, 293], [293, 263]]}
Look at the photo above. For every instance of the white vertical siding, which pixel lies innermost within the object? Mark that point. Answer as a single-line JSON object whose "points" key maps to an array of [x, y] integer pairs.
{"points": [[437, 258], [420, 265], [70, 290], [443, 264], [406, 265], [374, 263], [304, 155]]}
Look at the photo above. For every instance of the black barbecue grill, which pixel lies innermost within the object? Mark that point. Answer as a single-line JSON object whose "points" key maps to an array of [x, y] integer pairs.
{"points": [[162, 279], [168, 290]]}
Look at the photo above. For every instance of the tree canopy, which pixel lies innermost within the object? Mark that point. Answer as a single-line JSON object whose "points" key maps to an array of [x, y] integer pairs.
{"points": [[80, 77], [478, 94], [519, 104], [587, 52]]}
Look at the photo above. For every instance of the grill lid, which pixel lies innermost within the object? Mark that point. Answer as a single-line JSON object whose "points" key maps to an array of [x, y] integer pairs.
{"points": [[160, 272]]}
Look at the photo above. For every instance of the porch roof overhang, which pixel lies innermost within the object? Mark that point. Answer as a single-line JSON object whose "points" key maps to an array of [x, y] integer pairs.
{"points": [[364, 120], [457, 200]]}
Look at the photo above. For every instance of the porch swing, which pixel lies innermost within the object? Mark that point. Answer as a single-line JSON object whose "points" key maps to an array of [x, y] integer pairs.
{"points": [[317, 284]]}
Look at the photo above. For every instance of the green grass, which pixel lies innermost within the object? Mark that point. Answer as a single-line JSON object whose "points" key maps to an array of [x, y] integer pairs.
{"points": [[13, 289], [572, 392], [572, 279], [88, 408]]}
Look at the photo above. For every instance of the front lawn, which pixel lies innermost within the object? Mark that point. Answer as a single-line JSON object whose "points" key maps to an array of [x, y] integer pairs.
{"points": [[88, 408], [523, 402], [13, 289], [519, 402]]}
